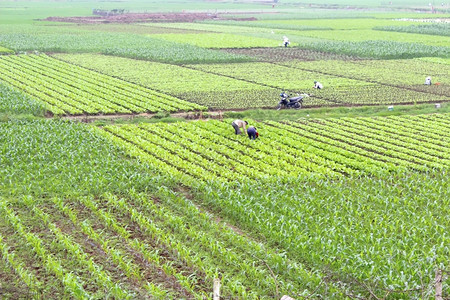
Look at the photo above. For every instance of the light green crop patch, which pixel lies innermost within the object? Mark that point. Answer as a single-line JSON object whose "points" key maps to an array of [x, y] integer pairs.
{"points": [[4, 50], [365, 35], [215, 40]]}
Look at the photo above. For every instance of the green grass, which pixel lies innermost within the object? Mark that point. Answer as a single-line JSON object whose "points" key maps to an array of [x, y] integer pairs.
{"points": [[338, 112]]}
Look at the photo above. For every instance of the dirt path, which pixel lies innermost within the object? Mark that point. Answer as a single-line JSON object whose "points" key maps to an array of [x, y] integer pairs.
{"points": [[185, 115]]}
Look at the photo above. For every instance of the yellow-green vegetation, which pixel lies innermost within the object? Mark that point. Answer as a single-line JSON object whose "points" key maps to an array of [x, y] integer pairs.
{"points": [[218, 40]]}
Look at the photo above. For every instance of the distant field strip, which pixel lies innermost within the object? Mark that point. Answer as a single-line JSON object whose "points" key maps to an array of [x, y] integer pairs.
{"points": [[218, 40], [69, 89], [323, 148], [343, 82]]}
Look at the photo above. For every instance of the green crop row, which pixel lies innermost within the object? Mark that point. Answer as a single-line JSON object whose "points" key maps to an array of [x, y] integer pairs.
{"points": [[373, 234], [4, 50], [378, 49], [311, 148], [18, 103], [66, 40], [74, 90], [218, 40], [196, 86], [433, 29]]}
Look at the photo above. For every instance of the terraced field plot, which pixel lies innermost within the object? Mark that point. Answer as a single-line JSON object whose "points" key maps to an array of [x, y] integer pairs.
{"points": [[69, 89]]}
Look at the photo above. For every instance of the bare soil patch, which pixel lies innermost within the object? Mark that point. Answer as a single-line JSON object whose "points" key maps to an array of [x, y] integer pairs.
{"points": [[144, 18]]}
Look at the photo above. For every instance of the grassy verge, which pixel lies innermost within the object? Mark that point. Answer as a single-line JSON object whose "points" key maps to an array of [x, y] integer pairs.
{"points": [[337, 112], [262, 114]]}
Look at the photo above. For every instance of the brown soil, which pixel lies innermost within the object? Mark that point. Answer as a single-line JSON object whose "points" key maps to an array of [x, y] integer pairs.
{"points": [[143, 18]]}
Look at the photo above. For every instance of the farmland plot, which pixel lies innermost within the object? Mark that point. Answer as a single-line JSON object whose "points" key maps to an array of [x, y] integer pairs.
{"points": [[84, 247], [342, 84], [314, 208], [372, 231], [399, 81], [289, 54], [374, 35], [314, 148], [393, 72], [432, 29], [68, 229], [216, 40], [290, 159], [68, 89], [66, 39], [196, 86], [378, 49]]}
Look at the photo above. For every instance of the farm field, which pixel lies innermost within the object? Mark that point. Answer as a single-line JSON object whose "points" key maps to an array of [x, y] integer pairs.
{"points": [[66, 89], [307, 148], [121, 176], [239, 85], [83, 203]]}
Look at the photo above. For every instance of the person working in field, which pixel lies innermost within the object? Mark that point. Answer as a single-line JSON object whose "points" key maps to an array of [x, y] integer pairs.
{"points": [[428, 80], [286, 41], [238, 124], [317, 85], [252, 133]]}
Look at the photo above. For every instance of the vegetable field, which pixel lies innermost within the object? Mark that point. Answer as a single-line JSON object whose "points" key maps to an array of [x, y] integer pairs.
{"points": [[258, 84], [121, 176], [325, 148], [68, 89], [67, 230]]}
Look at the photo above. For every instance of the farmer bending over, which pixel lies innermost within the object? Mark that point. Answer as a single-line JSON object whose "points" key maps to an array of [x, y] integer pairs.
{"points": [[237, 124], [428, 80], [252, 133], [317, 85]]}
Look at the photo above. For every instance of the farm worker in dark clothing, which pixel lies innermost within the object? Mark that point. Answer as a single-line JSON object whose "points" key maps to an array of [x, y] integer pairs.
{"points": [[252, 133], [317, 85], [428, 80], [237, 124], [285, 41]]}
